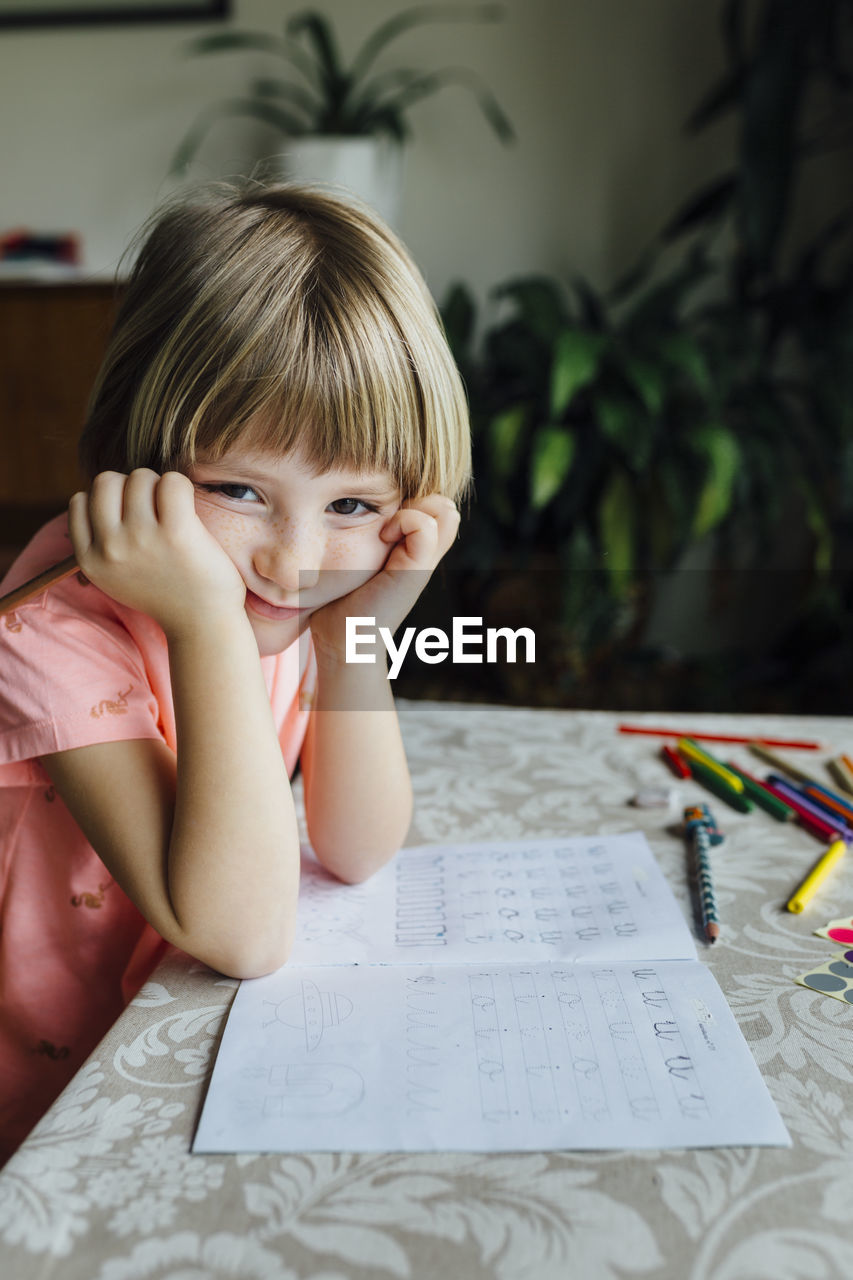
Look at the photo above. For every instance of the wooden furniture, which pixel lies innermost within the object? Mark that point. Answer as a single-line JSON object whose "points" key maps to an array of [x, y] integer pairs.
{"points": [[52, 340]]}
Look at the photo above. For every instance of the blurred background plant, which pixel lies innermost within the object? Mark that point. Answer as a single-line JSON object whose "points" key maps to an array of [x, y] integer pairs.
{"points": [[320, 94], [708, 395]]}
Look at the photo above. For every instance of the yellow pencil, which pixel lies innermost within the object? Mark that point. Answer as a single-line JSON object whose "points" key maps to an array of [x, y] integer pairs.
{"points": [[689, 748], [816, 876]]}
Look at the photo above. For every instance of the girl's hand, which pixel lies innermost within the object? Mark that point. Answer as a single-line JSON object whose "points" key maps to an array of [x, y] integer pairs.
{"points": [[419, 534], [137, 537]]}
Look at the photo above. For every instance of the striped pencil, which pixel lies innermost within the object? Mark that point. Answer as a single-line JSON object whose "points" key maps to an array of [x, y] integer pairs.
{"points": [[698, 825]]}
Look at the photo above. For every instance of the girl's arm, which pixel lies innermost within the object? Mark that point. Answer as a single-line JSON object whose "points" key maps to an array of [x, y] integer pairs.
{"points": [[358, 795], [208, 849]]}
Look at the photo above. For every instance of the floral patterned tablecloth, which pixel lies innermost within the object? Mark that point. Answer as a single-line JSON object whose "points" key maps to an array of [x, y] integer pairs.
{"points": [[106, 1188]]}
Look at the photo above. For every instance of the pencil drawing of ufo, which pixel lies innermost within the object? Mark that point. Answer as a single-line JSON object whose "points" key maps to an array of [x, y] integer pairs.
{"points": [[312, 1010]]}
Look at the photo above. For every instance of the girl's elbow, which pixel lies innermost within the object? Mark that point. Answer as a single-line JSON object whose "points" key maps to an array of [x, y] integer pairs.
{"points": [[246, 957]]}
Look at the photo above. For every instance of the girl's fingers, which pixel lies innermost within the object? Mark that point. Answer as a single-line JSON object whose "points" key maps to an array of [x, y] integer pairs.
{"points": [[79, 525], [174, 497], [139, 500], [106, 502], [428, 527]]}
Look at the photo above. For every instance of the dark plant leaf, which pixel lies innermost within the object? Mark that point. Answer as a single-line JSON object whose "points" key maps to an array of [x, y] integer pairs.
{"points": [[395, 26]]}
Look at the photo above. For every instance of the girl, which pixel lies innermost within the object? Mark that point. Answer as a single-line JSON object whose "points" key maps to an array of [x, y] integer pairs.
{"points": [[276, 440]]}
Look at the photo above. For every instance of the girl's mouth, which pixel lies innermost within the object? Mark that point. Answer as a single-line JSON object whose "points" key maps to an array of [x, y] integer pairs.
{"points": [[263, 609]]}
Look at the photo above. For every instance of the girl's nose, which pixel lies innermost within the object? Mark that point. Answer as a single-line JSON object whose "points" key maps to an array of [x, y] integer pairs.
{"points": [[291, 561]]}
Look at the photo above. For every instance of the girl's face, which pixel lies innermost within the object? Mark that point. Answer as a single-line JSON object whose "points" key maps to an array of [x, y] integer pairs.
{"points": [[298, 539]]}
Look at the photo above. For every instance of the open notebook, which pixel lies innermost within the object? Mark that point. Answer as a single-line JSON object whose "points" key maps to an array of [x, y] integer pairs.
{"points": [[533, 995]]}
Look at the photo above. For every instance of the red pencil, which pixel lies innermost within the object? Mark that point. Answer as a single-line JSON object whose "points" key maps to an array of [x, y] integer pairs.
{"points": [[719, 737], [677, 763]]}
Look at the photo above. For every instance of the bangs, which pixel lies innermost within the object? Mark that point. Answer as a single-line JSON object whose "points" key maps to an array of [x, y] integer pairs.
{"points": [[346, 393]]}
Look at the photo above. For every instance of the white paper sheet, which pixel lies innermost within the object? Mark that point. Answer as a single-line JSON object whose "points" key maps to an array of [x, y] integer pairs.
{"points": [[498, 1046], [575, 899], [499, 1057]]}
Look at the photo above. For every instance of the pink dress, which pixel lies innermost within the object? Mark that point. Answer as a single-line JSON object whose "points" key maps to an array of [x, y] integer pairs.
{"points": [[77, 668]]}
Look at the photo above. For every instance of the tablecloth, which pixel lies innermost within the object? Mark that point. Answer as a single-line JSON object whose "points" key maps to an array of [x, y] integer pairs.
{"points": [[106, 1188]]}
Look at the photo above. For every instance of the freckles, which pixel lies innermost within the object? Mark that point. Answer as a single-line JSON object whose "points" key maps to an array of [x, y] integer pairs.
{"points": [[228, 528]]}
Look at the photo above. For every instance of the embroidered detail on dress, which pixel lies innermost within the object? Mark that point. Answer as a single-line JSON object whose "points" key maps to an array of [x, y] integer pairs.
{"points": [[93, 900], [13, 622], [114, 706], [55, 1052]]}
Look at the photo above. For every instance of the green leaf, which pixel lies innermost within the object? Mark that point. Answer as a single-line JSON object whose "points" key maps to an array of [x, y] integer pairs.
{"points": [[684, 353], [616, 529], [505, 433], [819, 525], [256, 41], [577, 358], [395, 26], [721, 452], [624, 424], [458, 315], [540, 305], [432, 81], [258, 108], [649, 382], [318, 32], [551, 456]]}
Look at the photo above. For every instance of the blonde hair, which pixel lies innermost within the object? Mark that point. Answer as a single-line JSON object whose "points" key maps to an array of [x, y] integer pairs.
{"points": [[290, 318]]}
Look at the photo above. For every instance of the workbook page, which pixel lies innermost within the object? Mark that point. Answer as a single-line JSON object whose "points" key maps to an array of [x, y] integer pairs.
{"points": [[582, 898], [516, 1057]]}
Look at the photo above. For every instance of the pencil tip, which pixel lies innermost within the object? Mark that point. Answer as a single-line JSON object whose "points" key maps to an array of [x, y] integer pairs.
{"points": [[712, 932]]}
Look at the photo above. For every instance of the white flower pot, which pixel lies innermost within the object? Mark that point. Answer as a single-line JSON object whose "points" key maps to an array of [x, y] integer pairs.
{"points": [[371, 168]]}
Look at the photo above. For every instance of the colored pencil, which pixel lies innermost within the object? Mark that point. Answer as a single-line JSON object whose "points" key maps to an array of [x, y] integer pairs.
{"points": [[793, 743], [759, 749], [35, 586], [816, 807], [841, 773], [675, 762], [718, 786], [697, 824], [819, 872], [757, 791], [815, 826], [693, 751], [830, 801]]}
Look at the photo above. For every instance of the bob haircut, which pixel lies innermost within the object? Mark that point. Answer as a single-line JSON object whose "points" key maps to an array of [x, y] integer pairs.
{"points": [[288, 319]]}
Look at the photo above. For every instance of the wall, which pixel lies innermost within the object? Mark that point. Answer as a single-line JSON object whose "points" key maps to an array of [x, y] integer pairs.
{"points": [[597, 89]]}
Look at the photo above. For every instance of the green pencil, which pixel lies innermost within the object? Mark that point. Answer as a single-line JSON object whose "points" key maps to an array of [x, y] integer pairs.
{"points": [[737, 799], [762, 797]]}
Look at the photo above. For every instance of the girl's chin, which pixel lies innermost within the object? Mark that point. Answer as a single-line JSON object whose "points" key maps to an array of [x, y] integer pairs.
{"points": [[275, 637]]}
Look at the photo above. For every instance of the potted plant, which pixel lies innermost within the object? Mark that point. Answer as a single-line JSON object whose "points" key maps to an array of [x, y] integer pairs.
{"points": [[706, 397], [344, 122]]}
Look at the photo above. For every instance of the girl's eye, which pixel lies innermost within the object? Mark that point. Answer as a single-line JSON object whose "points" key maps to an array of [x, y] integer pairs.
{"points": [[240, 492], [350, 506]]}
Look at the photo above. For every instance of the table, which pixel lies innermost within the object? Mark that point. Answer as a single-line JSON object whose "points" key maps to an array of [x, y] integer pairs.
{"points": [[105, 1188]]}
